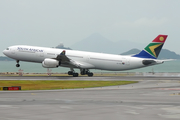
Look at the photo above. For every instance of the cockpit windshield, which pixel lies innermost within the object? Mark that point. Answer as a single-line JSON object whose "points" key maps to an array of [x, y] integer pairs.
{"points": [[7, 48]]}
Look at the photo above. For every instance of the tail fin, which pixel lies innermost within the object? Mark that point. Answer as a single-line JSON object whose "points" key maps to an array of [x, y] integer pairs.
{"points": [[153, 49]]}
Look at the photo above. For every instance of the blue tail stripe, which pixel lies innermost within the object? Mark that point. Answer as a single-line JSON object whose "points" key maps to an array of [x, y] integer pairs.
{"points": [[144, 54]]}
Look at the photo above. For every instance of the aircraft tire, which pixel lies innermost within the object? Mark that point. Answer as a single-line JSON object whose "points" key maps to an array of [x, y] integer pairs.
{"points": [[70, 73], [75, 74], [90, 74], [17, 65]]}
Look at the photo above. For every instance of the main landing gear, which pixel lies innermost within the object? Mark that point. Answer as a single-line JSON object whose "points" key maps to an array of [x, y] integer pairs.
{"points": [[72, 72], [83, 72], [86, 72], [17, 65]]}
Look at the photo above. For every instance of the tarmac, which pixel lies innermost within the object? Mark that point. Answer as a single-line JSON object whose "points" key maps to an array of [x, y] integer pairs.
{"points": [[153, 98]]}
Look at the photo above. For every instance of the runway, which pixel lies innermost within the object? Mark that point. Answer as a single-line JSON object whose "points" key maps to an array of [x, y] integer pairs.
{"points": [[90, 78], [154, 98]]}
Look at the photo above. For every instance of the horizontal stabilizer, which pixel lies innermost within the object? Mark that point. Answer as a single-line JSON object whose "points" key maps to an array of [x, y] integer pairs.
{"points": [[152, 62]]}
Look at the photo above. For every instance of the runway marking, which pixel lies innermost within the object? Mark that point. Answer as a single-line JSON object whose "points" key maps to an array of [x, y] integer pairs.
{"points": [[167, 88], [132, 112], [134, 107], [173, 94], [66, 107], [173, 112], [7, 106]]}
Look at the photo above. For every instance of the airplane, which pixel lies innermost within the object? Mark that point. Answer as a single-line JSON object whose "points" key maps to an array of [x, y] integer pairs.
{"points": [[53, 58]]}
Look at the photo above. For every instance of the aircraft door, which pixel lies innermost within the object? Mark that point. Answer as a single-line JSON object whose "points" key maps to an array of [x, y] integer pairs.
{"points": [[12, 51], [41, 54], [125, 61], [87, 58]]}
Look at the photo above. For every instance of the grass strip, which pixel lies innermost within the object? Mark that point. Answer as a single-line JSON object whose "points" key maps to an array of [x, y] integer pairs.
{"points": [[54, 84]]}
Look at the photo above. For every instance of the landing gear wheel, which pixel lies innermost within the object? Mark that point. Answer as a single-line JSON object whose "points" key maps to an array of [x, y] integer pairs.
{"points": [[70, 73], [17, 65], [90, 74], [75, 74]]}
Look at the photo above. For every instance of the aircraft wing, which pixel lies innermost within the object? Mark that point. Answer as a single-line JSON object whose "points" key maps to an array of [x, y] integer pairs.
{"points": [[70, 62]]}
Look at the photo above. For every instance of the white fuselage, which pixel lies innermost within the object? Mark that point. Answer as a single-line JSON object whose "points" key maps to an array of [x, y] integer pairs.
{"points": [[90, 60]]}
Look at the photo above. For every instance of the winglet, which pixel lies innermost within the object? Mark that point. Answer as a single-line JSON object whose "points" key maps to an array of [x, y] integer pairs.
{"points": [[63, 52], [153, 49], [62, 56]]}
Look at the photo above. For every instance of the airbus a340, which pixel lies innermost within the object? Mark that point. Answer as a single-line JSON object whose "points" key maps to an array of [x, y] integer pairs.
{"points": [[52, 58]]}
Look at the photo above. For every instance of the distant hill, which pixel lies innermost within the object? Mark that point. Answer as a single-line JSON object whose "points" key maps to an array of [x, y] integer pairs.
{"points": [[97, 43], [61, 46], [3, 58], [167, 54], [164, 54], [131, 52]]}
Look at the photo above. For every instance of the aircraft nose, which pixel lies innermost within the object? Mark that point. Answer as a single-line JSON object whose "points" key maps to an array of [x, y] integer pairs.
{"points": [[5, 52]]}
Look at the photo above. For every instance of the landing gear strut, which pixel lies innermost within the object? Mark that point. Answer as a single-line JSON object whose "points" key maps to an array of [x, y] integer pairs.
{"points": [[86, 72], [17, 65]]}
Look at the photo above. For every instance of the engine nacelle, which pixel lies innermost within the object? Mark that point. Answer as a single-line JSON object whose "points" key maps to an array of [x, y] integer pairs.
{"points": [[50, 63]]}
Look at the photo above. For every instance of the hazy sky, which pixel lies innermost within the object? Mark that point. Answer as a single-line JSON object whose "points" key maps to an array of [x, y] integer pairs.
{"points": [[50, 22]]}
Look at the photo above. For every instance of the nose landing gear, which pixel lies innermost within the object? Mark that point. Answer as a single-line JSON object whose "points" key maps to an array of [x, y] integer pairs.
{"points": [[17, 65]]}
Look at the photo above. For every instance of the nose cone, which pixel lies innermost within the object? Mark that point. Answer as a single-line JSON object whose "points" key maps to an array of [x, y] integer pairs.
{"points": [[4, 52]]}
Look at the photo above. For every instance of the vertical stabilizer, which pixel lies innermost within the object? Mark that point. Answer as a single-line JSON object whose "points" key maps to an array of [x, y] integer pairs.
{"points": [[153, 49]]}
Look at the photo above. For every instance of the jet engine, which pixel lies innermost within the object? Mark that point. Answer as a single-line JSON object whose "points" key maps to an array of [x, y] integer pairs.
{"points": [[50, 63]]}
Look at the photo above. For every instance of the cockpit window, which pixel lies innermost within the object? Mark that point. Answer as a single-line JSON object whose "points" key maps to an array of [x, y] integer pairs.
{"points": [[7, 48]]}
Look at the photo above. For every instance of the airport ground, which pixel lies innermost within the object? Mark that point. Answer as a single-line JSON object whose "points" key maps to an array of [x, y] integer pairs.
{"points": [[153, 97]]}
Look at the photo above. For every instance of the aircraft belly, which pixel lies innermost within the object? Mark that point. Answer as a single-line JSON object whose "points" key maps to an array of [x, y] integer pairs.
{"points": [[118, 66], [108, 65]]}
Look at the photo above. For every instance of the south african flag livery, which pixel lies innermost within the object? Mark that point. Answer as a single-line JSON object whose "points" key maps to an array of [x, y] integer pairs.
{"points": [[153, 49]]}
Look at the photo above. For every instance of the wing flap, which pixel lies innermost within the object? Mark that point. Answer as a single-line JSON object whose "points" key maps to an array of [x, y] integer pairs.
{"points": [[81, 64]]}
